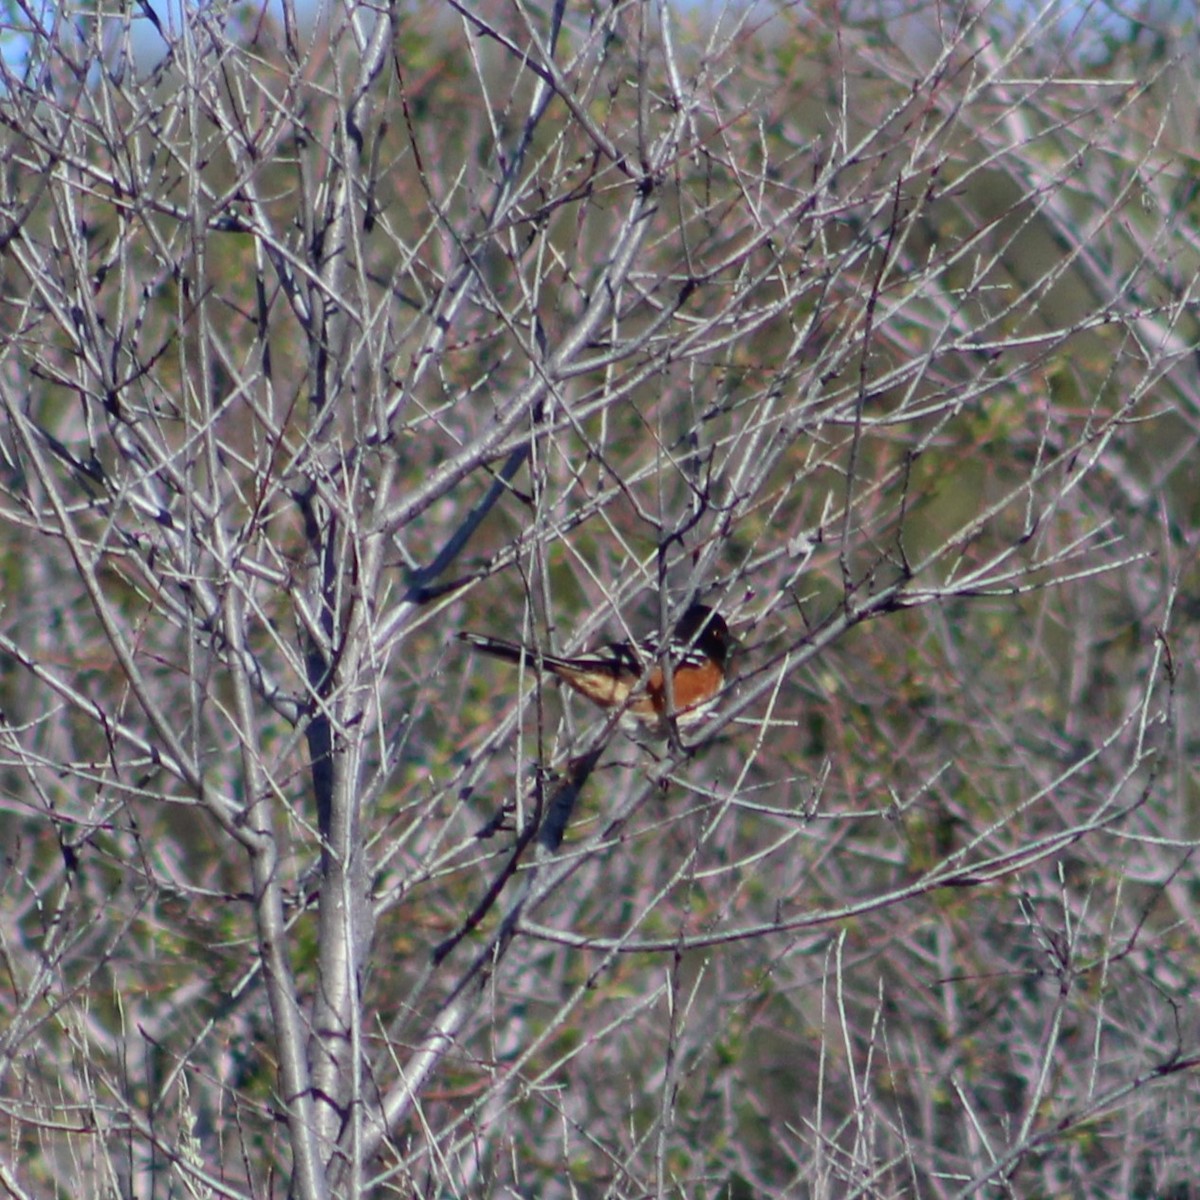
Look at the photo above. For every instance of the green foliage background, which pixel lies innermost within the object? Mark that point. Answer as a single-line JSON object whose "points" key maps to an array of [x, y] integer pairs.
{"points": [[320, 345]]}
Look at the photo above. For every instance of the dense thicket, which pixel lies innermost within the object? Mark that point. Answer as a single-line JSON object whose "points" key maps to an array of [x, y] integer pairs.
{"points": [[877, 331]]}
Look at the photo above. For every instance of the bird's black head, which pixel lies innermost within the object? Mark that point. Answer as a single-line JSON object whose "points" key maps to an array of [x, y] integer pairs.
{"points": [[705, 629]]}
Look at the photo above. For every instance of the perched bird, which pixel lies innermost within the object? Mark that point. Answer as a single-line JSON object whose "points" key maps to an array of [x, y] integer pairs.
{"points": [[629, 675]]}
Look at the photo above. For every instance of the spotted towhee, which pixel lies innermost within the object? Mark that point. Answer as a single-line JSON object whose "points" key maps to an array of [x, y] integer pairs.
{"points": [[610, 675]]}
